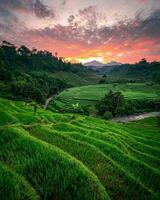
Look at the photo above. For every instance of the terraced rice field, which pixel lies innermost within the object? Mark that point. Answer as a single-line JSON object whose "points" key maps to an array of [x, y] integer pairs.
{"points": [[89, 95], [68, 156]]}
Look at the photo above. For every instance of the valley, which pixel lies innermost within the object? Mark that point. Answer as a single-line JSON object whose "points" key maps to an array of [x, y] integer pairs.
{"points": [[59, 137]]}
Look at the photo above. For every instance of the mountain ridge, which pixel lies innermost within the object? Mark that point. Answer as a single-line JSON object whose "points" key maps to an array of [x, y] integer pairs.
{"points": [[97, 64]]}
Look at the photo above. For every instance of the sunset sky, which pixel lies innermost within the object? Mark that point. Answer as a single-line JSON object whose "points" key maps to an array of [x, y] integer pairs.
{"points": [[84, 30]]}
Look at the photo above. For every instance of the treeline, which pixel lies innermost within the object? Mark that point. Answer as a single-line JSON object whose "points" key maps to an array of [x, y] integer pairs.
{"points": [[28, 74], [141, 71]]}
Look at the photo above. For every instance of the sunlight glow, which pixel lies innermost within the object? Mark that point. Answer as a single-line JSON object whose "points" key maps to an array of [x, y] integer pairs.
{"points": [[84, 60]]}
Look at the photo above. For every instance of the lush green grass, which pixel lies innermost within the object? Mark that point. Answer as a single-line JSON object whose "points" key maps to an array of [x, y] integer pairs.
{"points": [[67, 156], [89, 95], [77, 79], [14, 186]]}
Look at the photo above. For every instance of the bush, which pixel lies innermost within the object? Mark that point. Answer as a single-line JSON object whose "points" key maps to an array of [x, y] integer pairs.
{"points": [[92, 111], [103, 81], [107, 115], [150, 83]]}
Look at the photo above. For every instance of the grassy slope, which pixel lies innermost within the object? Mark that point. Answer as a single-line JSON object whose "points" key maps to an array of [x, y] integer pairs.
{"points": [[70, 78], [77, 157], [14, 186], [77, 79], [88, 95]]}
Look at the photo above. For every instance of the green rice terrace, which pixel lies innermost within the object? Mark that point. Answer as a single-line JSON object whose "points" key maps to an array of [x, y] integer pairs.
{"points": [[69, 156], [91, 94]]}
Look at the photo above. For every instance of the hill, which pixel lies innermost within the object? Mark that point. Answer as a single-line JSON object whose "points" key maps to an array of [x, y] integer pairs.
{"points": [[96, 65], [142, 71], [142, 96], [35, 75], [66, 156]]}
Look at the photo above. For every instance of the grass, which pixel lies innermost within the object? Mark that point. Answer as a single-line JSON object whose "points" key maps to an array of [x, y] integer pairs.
{"points": [[89, 95], [68, 156], [77, 79], [13, 186]]}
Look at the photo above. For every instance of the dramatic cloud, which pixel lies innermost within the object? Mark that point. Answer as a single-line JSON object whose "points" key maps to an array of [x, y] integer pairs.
{"points": [[84, 34], [88, 31], [42, 10], [31, 6]]}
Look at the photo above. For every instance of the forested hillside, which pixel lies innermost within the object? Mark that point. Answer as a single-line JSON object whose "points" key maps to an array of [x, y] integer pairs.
{"points": [[142, 71], [35, 75]]}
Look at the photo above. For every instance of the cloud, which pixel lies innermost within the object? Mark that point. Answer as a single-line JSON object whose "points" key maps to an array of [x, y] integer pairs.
{"points": [[133, 29], [10, 26], [89, 34], [42, 10], [89, 16], [127, 40], [143, 1], [36, 7], [151, 26]]}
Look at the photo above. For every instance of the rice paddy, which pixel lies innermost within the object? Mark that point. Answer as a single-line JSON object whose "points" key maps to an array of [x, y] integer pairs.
{"points": [[68, 156], [91, 94]]}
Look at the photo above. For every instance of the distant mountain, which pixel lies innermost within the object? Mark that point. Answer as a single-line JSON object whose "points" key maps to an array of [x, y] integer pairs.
{"points": [[93, 63], [96, 64]]}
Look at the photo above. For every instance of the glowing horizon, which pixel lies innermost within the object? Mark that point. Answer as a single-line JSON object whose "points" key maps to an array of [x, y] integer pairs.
{"points": [[81, 31]]}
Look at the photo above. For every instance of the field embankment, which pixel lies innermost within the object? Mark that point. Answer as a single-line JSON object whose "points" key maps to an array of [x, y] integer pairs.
{"points": [[69, 156]]}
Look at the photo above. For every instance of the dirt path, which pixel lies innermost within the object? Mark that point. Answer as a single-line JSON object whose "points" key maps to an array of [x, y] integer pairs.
{"points": [[47, 102]]}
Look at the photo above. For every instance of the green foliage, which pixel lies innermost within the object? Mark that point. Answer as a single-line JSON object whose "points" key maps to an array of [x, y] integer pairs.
{"points": [[103, 81], [112, 102], [142, 71], [14, 186], [27, 90], [107, 115], [77, 108], [92, 110], [65, 156], [139, 97], [36, 75]]}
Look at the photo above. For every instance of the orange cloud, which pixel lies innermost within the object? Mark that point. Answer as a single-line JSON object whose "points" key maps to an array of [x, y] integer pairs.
{"points": [[127, 41]]}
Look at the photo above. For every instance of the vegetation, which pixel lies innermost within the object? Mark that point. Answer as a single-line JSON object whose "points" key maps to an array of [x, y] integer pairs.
{"points": [[66, 156], [142, 71], [48, 155], [139, 97], [111, 103], [14, 186], [35, 75], [107, 115]]}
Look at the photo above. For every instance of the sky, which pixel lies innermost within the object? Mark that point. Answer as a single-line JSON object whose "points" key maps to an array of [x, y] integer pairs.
{"points": [[83, 30]]}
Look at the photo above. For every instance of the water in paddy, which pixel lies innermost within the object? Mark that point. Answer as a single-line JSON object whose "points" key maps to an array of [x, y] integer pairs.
{"points": [[136, 117]]}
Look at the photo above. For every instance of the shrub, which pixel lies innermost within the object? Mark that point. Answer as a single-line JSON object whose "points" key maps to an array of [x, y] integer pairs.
{"points": [[92, 110], [107, 115]]}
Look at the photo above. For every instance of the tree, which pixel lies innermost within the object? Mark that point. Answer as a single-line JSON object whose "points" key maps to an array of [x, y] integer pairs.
{"points": [[143, 61], [24, 51], [35, 106], [112, 102], [9, 50]]}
